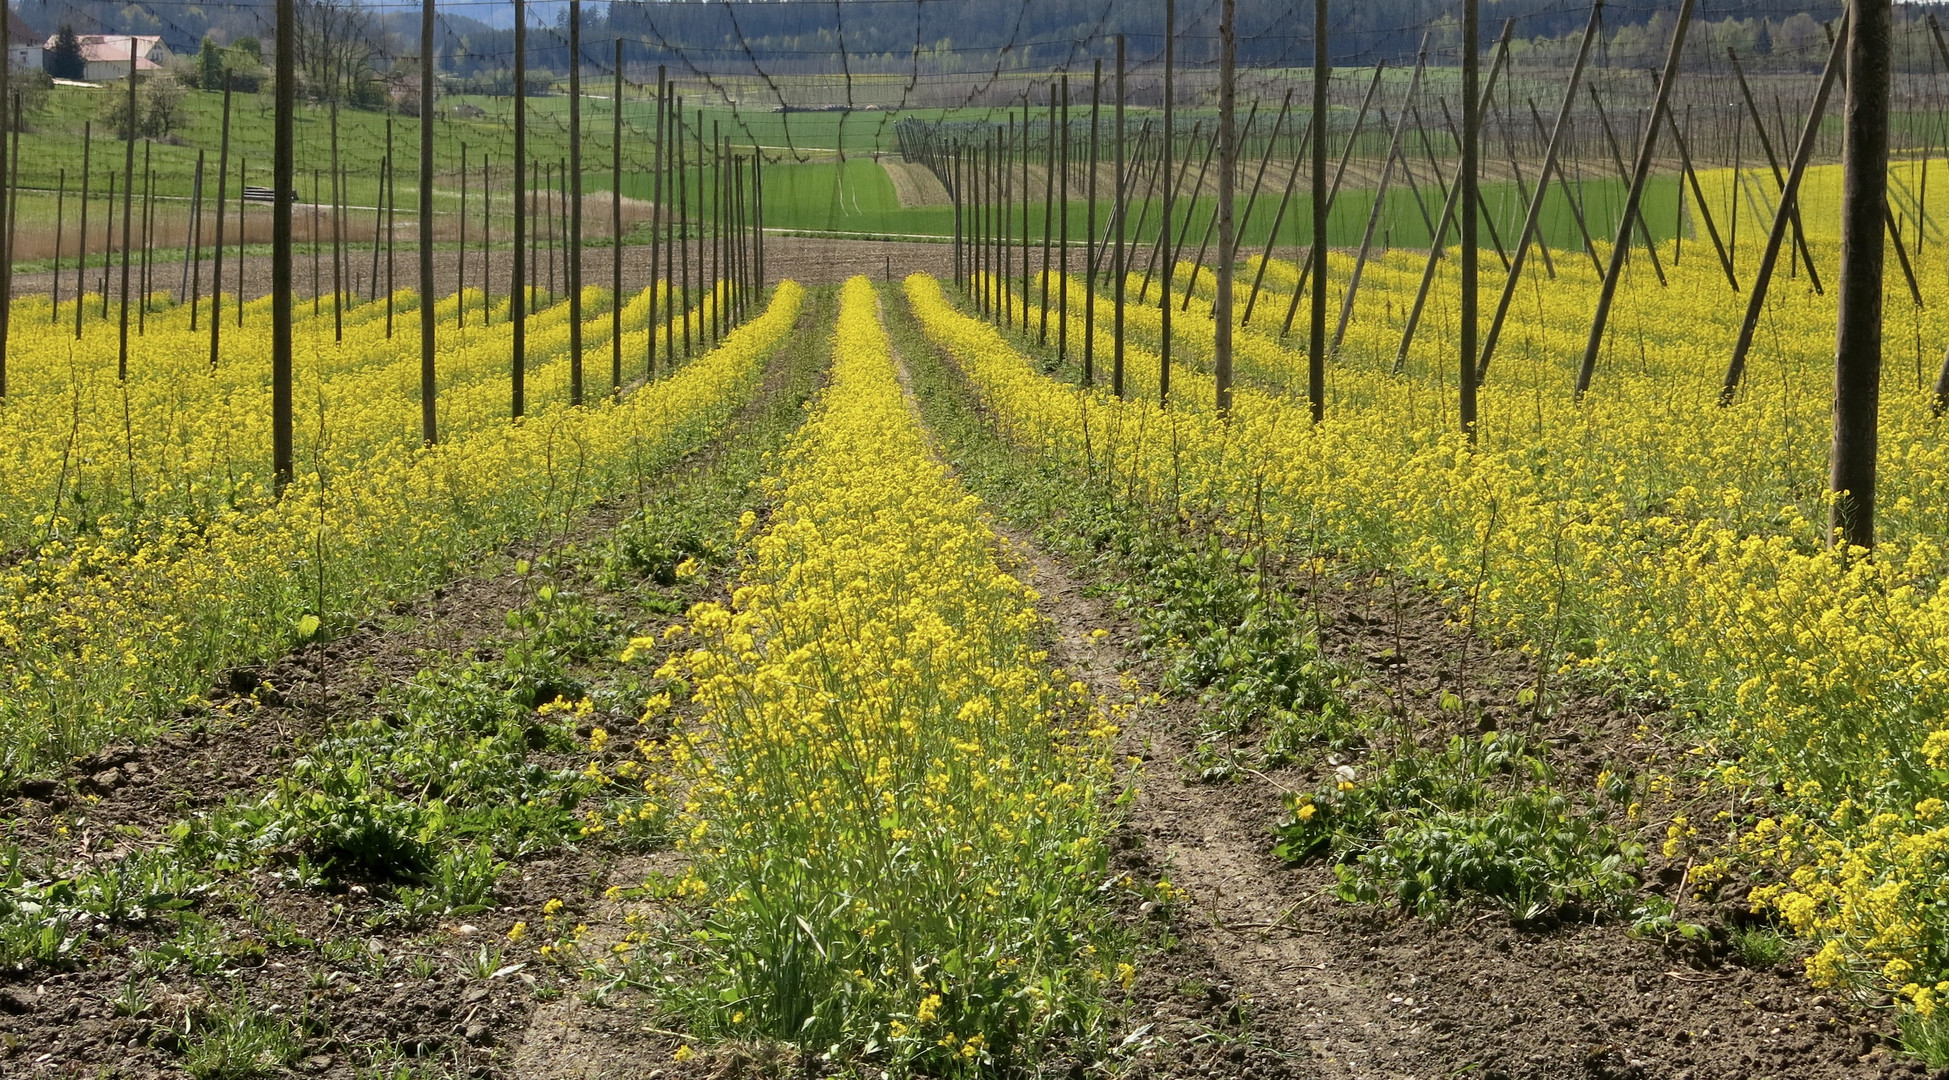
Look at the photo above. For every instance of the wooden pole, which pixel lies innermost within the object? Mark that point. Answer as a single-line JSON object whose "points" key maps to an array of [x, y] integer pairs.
{"points": [[378, 226], [683, 212], [317, 229], [108, 242], [1864, 215], [660, 220], [81, 234], [616, 229], [1117, 260], [216, 251], [148, 241], [1278, 219], [1569, 193], [429, 416], [518, 273], [572, 253], [1632, 200], [193, 246], [1089, 231], [128, 216], [486, 241], [243, 174], [1221, 307], [1211, 224], [1467, 183], [1062, 281], [1164, 236], [338, 234], [392, 231], [1048, 214], [1265, 162], [283, 158]]}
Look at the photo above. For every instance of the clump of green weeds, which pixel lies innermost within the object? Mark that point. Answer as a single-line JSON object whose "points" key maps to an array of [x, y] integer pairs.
{"points": [[1479, 818], [236, 1040]]}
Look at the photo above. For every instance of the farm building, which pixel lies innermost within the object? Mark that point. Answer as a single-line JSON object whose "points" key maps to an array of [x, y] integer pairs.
{"points": [[107, 55], [23, 44]]}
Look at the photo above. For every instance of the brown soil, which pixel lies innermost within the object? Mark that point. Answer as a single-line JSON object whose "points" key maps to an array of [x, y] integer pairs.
{"points": [[1268, 975], [914, 185], [457, 1023], [1259, 973]]}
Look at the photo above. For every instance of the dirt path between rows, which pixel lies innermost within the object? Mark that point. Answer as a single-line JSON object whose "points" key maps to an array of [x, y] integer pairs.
{"points": [[1270, 975]]}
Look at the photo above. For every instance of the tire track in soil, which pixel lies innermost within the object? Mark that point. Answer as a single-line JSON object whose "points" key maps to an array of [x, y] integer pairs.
{"points": [[1272, 976], [1213, 853]]}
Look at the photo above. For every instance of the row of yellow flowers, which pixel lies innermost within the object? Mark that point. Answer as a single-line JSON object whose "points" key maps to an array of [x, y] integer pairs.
{"points": [[114, 623], [1625, 532], [896, 811]]}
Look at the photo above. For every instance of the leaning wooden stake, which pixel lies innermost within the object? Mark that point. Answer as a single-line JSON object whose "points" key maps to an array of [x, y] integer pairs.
{"points": [[1569, 195], [1278, 219], [1437, 243], [1535, 214], [1617, 159], [1380, 203], [1773, 162], [1632, 201], [1325, 197], [1699, 201], [1782, 216]]}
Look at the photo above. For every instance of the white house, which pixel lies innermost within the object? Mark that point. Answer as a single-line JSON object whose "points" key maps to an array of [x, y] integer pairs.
{"points": [[107, 55], [23, 44]]}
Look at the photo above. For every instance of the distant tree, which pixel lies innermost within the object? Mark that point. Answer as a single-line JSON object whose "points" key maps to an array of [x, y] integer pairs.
{"points": [[338, 45], [64, 60], [1762, 41], [209, 66], [250, 47], [160, 99], [30, 88]]}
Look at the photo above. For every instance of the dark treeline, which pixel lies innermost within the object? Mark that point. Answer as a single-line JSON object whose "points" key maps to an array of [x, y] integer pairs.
{"points": [[803, 37]]}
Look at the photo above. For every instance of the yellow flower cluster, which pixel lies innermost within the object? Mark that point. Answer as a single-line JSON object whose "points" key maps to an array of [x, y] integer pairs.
{"points": [[146, 549], [899, 808], [1643, 530]]}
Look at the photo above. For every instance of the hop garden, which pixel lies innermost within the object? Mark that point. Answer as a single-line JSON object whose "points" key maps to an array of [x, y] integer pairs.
{"points": [[1114, 638]]}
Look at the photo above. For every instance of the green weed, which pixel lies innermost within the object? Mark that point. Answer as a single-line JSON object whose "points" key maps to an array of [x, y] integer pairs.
{"points": [[1479, 818], [236, 1040]]}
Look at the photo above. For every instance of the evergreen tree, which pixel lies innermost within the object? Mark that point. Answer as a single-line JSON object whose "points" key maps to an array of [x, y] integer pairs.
{"points": [[209, 66], [64, 60]]}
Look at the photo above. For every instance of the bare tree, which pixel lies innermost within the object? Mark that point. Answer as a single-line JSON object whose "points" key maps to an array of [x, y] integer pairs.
{"points": [[338, 46]]}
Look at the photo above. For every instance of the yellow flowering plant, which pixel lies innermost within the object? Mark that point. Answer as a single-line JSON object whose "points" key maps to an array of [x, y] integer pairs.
{"points": [[867, 790]]}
